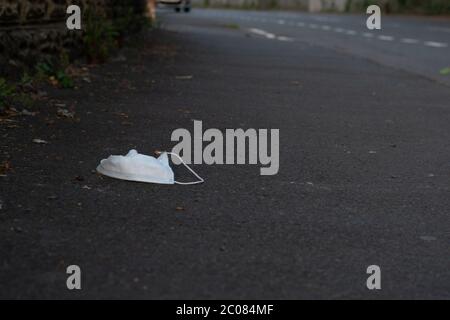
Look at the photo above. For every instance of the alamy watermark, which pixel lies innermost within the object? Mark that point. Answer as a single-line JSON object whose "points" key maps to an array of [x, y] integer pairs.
{"points": [[73, 22], [74, 280], [374, 21], [233, 146], [374, 280]]}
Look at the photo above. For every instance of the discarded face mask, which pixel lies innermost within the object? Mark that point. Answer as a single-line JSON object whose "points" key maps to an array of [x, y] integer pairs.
{"points": [[141, 168]]}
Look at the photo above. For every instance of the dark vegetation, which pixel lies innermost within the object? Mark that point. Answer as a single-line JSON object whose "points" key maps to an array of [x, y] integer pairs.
{"points": [[101, 38]]}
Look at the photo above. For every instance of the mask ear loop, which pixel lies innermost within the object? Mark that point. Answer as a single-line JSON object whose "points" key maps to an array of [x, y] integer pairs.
{"points": [[200, 179]]}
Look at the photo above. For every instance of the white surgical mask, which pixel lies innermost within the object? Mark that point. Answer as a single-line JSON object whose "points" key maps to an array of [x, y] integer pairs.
{"points": [[142, 168]]}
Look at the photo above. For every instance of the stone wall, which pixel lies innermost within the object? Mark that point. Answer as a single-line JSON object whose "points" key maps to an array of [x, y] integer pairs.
{"points": [[30, 29]]}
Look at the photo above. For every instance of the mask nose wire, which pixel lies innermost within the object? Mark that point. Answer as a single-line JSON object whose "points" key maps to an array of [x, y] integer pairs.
{"points": [[200, 179]]}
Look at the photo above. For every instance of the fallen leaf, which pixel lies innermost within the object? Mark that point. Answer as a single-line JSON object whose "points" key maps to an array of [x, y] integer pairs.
{"points": [[122, 114], [40, 141], [184, 111], [65, 113], [25, 112], [53, 81], [5, 167]]}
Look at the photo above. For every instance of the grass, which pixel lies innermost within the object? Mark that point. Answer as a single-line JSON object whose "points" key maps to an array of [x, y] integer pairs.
{"points": [[231, 26], [445, 71], [55, 73], [101, 36], [11, 95], [7, 92]]}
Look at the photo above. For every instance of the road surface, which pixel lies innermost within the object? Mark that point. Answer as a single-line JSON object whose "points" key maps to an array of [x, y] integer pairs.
{"points": [[414, 44], [363, 180]]}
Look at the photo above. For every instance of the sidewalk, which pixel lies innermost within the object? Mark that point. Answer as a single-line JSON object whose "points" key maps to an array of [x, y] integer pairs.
{"points": [[363, 178]]}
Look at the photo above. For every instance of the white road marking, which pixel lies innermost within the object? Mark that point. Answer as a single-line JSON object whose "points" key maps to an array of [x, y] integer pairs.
{"points": [[409, 41], [386, 38], [435, 44], [268, 35], [263, 33], [282, 38]]}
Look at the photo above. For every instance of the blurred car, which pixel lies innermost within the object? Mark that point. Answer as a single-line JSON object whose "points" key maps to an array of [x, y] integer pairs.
{"points": [[184, 5]]}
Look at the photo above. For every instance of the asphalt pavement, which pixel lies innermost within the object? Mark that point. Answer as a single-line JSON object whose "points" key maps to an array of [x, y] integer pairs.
{"points": [[363, 180], [415, 44]]}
